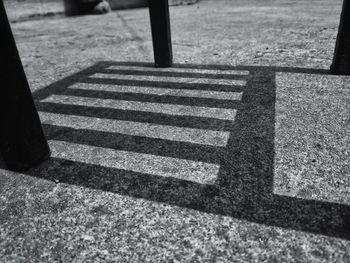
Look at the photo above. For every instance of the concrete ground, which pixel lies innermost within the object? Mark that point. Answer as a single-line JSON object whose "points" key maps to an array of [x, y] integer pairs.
{"points": [[19, 11], [27, 10], [240, 153]]}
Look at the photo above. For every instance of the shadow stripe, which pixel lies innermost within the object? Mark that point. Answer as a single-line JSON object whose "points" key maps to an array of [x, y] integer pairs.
{"points": [[199, 102], [202, 94], [174, 149], [199, 172], [169, 109], [180, 121], [171, 133], [172, 79], [172, 69], [161, 84], [67, 81], [220, 67], [179, 66], [139, 185], [183, 74], [290, 213]]}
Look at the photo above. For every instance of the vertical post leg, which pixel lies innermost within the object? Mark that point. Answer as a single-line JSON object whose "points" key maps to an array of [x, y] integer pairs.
{"points": [[160, 25], [22, 141], [341, 59]]}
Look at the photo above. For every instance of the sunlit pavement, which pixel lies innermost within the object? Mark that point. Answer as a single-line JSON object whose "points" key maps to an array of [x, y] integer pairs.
{"points": [[239, 153]]}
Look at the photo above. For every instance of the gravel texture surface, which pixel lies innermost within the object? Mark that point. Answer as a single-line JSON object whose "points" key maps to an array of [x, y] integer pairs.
{"points": [[282, 190]]}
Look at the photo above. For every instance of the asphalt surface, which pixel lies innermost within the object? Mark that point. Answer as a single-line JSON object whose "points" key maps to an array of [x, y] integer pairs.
{"points": [[238, 153]]}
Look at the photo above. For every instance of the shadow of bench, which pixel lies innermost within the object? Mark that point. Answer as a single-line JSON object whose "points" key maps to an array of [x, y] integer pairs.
{"points": [[22, 142]]}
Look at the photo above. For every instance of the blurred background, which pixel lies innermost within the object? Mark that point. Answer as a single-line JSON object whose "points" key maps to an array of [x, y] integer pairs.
{"points": [[22, 10]]}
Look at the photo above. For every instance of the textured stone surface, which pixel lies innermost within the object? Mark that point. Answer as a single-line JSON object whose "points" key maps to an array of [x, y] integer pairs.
{"points": [[64, 212], [42, 221], [312, 140]]}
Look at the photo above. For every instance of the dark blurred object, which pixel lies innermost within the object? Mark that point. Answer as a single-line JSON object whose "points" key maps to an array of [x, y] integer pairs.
{"points": [[83, 7], [22, 141], [125, 4], [73, 7], [341, 59], [161, 35]]}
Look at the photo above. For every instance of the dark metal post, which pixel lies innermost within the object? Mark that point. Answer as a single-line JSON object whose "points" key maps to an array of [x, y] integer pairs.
{"points": [[22, 141], [160, 24], [341, 59]]}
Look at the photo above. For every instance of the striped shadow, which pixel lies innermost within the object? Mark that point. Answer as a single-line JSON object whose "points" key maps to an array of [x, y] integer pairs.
{"points": [[207, 94], [138, 116], [182, 74], [171, 79], [174, 100], [181, 70], [179, 110], [163, 84], [171, 133], [124, 142], [199, 172]]}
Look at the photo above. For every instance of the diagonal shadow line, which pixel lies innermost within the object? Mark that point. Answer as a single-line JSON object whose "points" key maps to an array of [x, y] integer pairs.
{"points": [[67, 81], [244, 188]]}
